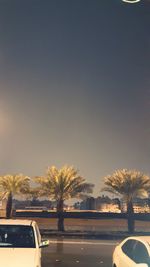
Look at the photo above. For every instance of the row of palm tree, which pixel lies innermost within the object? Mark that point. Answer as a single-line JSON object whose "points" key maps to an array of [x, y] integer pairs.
{"points": [[66, 183], [58, 184]]}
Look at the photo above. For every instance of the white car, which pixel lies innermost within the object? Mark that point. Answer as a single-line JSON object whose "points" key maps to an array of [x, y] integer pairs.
{"points": [[132, 252], [20, 243]]}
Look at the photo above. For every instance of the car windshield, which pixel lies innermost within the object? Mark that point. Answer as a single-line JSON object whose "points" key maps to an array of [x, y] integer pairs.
{"points": [[17, 236]]}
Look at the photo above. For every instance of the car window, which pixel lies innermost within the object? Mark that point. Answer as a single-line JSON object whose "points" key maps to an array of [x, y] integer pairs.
{"points": [[128, 247], [140, 253], [17, 236]]}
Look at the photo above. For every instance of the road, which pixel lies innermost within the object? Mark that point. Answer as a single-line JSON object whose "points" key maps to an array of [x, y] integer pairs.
{"points": [[78, 253]]}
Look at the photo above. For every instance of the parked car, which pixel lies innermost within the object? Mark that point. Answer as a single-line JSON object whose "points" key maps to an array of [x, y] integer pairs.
{"points": [[132, 252], [20, 243]]}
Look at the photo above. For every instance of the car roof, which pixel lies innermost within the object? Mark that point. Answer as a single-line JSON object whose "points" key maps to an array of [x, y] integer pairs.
{"points": [[15, 222], [142, 238]]}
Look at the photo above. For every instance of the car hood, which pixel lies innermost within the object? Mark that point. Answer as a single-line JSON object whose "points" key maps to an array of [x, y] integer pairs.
{"points": [[16, 257]]}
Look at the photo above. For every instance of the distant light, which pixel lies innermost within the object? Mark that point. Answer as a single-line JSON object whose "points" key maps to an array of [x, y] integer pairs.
{"points": [[131, 1]]}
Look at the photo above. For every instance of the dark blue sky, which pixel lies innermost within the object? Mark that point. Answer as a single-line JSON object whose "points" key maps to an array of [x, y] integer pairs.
{"points": [[74, 86]]}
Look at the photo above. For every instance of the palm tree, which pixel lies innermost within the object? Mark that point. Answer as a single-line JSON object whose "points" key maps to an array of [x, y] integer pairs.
{"points": [[62, 185], [128, 184], [11, 185]]}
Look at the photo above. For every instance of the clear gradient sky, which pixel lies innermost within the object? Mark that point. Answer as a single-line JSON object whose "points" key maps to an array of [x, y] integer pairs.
{"points": [[74, 86]]}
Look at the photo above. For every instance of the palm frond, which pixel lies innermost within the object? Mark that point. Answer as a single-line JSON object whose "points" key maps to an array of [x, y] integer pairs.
{"points": [[128, 183], [64, 183], [15, 184]]}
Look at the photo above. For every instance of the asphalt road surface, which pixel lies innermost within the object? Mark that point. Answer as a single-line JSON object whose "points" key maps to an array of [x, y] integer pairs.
{"points": [[78, 253]]}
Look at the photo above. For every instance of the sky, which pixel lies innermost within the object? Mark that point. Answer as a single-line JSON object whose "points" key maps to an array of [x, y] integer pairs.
{"points": [[74, 86]]}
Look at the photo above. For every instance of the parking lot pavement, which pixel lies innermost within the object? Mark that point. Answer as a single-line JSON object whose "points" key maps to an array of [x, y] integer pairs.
{"points": [[78, 253]]}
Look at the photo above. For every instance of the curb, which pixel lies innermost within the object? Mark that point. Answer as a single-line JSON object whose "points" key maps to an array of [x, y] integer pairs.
{"points": [[84, 235], [90, 235]]}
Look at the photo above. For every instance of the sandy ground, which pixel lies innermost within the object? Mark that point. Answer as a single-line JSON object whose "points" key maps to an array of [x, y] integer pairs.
{"points": [[92, 224]]}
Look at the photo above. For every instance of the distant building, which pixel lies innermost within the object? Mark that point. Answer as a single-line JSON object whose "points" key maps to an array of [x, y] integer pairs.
{"points": [[106, 204], [110, 208], [88, 204], [99, 201], [139, 205]]}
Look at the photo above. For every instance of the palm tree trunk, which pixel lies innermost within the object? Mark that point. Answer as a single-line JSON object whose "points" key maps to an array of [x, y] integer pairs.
{"points": [[60, 212], [9, 206], [130, 217]]}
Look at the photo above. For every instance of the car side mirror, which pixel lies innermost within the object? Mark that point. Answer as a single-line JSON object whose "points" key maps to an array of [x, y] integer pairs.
{"points": [[142, 265], [45, 243]]}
